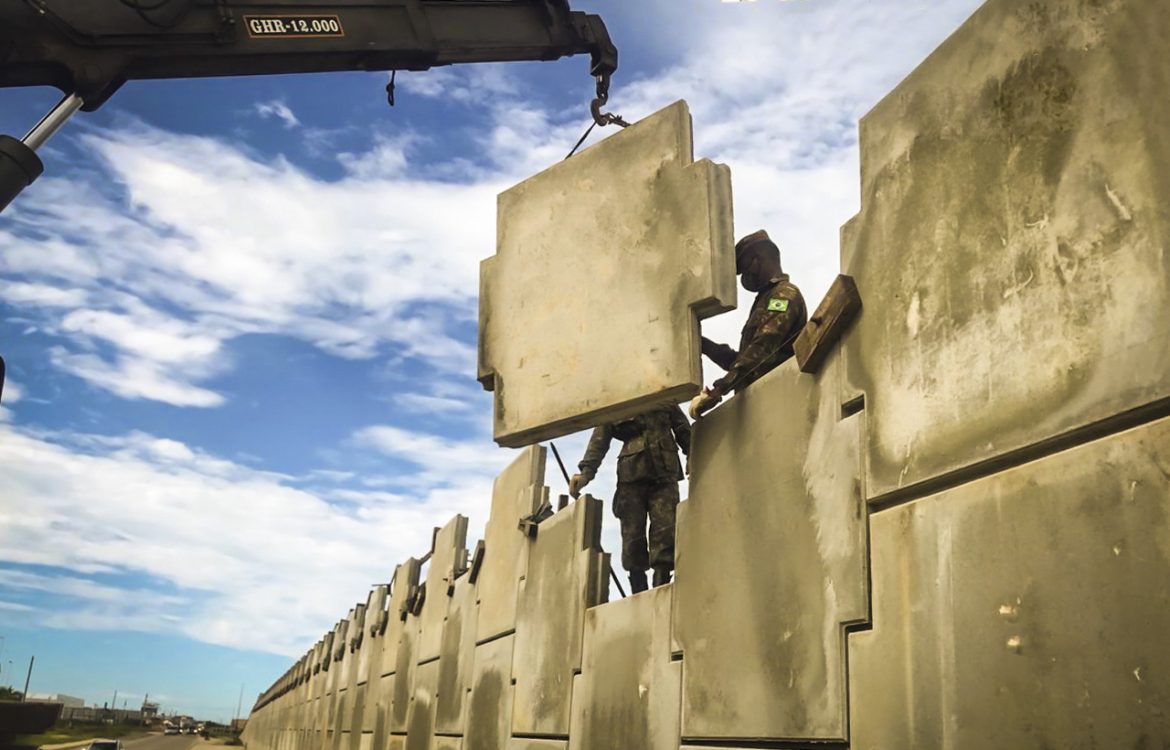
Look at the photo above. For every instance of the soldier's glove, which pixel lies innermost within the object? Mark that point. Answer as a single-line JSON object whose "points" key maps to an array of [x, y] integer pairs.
{"points": [[704, 402], [576, 483]]}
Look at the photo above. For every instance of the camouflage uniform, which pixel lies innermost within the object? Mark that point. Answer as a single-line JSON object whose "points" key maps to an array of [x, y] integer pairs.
{"points": [[777, 316], [648, 474]]}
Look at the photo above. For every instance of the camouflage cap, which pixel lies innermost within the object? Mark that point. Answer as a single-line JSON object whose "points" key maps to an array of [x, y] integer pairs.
{"points": [[754, 238]]}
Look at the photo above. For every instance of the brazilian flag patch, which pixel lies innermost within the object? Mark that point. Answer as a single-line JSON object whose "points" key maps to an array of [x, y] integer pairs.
{"points": [[777, 305]]}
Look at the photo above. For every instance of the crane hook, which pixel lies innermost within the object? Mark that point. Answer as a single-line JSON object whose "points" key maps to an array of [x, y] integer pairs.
{"points": [[599, 101]]}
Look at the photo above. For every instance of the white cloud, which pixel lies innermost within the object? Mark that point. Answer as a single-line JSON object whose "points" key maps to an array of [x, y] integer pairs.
{"points": [[133, 379], [279, 110], [13, 392], [42, 295], [224, 245], [468, 85], [246, 558], [421, 403]]}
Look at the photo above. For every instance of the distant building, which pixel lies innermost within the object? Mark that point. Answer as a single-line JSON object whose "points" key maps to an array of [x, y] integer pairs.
{"points": [[68, 701], [149, 711], [96, 713]]}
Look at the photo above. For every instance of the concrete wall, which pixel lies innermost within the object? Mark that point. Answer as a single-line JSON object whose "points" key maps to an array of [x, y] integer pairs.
{"points": [[954, 535]]}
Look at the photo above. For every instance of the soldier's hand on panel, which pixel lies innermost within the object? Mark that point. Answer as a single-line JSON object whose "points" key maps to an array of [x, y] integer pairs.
{"points": [[704, 402]]}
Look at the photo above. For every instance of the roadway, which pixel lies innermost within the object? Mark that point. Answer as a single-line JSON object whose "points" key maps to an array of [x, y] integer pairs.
{"points": [[166, 742]]}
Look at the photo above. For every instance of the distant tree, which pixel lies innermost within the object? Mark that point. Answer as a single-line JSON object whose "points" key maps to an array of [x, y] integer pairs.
{"points": [[8, 694]]}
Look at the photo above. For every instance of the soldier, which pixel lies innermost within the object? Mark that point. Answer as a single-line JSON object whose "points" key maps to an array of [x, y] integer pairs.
{"points": [[777, 317], [648, 473]]}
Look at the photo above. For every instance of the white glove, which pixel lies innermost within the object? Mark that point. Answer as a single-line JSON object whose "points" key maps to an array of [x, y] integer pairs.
{"points": [[576, 483], [704, 402]]}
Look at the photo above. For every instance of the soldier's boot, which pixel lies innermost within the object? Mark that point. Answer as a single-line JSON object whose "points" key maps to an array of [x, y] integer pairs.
{"points": [[661, 577], [637, 581]]}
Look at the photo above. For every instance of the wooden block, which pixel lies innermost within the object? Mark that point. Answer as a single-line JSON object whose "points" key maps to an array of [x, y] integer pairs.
{"points": [[837, 310]]}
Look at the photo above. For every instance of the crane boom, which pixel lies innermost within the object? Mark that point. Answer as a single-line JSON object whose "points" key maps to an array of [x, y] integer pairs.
{"points": [[89, 48]]}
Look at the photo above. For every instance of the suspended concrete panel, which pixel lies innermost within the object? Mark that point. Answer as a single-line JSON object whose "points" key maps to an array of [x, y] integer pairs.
{"points": [[630, 235]]}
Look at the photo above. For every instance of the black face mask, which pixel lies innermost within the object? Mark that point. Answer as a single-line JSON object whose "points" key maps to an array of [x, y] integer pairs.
{"points": [[749, 283], [747, 279]]}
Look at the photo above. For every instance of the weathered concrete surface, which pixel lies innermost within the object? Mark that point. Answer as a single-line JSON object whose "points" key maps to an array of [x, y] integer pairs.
{"points": [[404, 672], [517, 493], [355, 688], [383, 699], [534, 744], [421, 722], [402, 590], [1013, 236], [343, 665], [448, 558], [489, 709], [401, 630], [567, 574], [628, 692], [771, 561], [377, 623], [1026, 609], [630, 235], [333, 679], [457, 658]]}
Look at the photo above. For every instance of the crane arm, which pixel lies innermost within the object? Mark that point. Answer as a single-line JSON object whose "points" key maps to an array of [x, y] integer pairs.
{"points": [[89, 48]]}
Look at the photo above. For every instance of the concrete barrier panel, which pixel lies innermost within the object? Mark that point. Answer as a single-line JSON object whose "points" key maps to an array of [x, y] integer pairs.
{"points": [[1012, 237], [567, 574], [377, 623], [489, 708], [628, 692], [404, 676], [448, 559], [421, 720], [457, 658], [1025, 609], [632, 232], [517, 493], [403, 589], [771, 561]]}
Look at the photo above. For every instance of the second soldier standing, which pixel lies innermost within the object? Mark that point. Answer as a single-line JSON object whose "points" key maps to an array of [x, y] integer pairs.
{"points": [[648, 473]]}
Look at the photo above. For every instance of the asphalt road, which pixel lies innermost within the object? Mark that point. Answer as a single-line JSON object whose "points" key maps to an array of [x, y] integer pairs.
{"points": [[166, 742]]}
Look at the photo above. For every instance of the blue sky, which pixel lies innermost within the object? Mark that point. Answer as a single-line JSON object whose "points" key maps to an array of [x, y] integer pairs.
{"points": [[239, 317]]}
